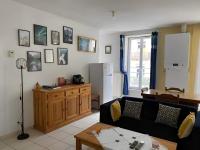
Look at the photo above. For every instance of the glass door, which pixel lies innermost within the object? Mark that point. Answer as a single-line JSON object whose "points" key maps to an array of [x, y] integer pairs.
{"points": [[139, 62]]}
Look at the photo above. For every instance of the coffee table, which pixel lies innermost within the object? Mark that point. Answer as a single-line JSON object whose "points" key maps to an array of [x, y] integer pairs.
{"points": [[86, 137]]}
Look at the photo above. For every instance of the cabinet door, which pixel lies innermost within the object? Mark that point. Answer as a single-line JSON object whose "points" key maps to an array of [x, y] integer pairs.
{"points": [[72, 106], [55, 111], [85, 103]]}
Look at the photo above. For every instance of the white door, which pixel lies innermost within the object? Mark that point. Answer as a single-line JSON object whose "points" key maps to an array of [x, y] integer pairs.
{"points": [[139, 62]]}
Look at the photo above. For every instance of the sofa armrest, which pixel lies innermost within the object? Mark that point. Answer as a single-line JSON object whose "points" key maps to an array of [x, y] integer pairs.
{"points": [[191, 142], [105, 114]]}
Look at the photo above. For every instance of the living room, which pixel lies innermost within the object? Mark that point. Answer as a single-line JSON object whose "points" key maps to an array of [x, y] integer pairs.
{"points": [[48, 35]]}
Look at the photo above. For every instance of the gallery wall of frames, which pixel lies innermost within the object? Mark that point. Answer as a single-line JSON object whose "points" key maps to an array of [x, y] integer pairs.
{"points": [[34, 58]]}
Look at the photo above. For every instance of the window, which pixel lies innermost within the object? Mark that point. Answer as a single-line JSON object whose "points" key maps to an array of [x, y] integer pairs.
{"points": [[139, 61]]}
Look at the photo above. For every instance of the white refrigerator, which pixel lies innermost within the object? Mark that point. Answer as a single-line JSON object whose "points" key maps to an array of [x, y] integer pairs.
{"points": [[101, 78]]}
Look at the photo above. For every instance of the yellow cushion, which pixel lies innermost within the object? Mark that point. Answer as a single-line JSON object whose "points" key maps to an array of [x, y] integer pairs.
{"points": [[186, 126], [115, 110]]}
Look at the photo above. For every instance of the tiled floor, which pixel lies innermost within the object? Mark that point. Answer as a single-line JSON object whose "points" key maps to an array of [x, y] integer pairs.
{"points": [[60, 139]]}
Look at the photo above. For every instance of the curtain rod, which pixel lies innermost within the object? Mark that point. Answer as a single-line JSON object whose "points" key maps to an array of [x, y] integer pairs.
{"points": [[140, 32]]}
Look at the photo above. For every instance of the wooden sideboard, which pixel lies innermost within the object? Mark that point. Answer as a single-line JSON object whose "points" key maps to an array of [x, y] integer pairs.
{"points": [[57, 107]]}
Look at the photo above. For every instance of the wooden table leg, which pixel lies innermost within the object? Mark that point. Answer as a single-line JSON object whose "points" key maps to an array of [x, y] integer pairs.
{"points": [[78, 144]]}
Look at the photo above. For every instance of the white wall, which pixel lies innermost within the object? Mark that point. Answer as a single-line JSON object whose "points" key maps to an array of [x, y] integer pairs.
{"points": [[14, 16], [112, 39]]}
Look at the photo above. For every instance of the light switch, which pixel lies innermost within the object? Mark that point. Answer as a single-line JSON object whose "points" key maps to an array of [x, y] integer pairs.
{"points": [[11, 53]]}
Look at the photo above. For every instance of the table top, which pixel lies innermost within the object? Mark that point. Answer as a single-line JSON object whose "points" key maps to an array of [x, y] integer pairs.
{"points": [[186, 96], [88, 137], [62, 88]]}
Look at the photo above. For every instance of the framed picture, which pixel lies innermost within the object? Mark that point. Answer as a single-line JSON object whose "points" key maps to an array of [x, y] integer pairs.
{"points": [[40, 35], [24, 38], [67, 35], [86, 44], [62, 54], [34, 62], [108, 49], [48, 56], [55, 37]]}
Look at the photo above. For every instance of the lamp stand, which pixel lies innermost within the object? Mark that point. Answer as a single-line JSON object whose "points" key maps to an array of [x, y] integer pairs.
{"points": [[22, 135]]}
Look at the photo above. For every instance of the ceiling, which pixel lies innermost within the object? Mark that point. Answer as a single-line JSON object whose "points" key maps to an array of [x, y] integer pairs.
{"points": [[130, 14]]}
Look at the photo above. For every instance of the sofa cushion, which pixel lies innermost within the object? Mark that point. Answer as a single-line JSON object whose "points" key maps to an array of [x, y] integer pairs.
{"points": [[148, 127], [185, 110], [168, 115], [159, 130], [129, 123], [187, 125], [149, 110], [115, 110], [132, 109]]}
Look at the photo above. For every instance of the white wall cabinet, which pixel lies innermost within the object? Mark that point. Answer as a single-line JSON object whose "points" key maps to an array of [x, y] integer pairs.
{"points": [[176, 60]]}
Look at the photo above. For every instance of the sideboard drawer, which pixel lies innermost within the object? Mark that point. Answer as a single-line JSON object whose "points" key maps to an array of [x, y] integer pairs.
{"points": [[56, 95], [85, 90], [72, 92]]}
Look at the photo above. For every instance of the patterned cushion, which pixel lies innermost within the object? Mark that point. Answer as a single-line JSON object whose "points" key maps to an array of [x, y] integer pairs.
{"points": [[168, 115], [132, 109]]}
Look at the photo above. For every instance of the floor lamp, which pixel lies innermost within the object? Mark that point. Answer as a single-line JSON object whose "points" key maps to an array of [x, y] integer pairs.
{"points": [[21, 64]]}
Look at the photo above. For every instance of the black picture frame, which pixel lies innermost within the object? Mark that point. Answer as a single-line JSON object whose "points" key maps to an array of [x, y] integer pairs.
{"points": [[40, 35], [108, 49], [47, 55], [55, 39], [23, 38], [34, 61], [67, 35], [62, 60], [86, 44]]}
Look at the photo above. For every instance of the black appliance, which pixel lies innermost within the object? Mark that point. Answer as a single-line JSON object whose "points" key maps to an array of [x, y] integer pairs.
{"points": [[78, 79]]}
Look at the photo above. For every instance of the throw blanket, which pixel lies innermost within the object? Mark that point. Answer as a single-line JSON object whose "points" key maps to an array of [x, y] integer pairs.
{"points": [[118, 139]]}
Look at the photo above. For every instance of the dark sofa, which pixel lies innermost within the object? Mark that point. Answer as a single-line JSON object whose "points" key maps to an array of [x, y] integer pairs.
{"points": [[147, 124]]}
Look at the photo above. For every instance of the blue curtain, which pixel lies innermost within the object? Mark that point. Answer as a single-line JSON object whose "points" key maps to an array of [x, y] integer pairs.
{"points": [[122, 68], [154, 42]]}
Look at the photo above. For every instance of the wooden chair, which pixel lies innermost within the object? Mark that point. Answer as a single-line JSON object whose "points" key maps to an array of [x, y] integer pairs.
{"points": [[144, 89], [168, 98], [174, 89], [95, 99]]}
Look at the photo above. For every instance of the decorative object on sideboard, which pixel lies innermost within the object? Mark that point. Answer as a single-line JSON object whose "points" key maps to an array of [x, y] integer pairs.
{"points": [[67, 35], [24, 38], [37, 86], [50, 87], [21, 64], [40, 35], [62, 54], [68, 81], [48, 56], [108, 49], [34, 62], [86, 44], [55, 37], [61, 81], [78, 79]]}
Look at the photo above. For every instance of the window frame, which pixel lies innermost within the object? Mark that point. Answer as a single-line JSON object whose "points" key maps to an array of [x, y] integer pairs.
{"points": [[141, 37]]}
